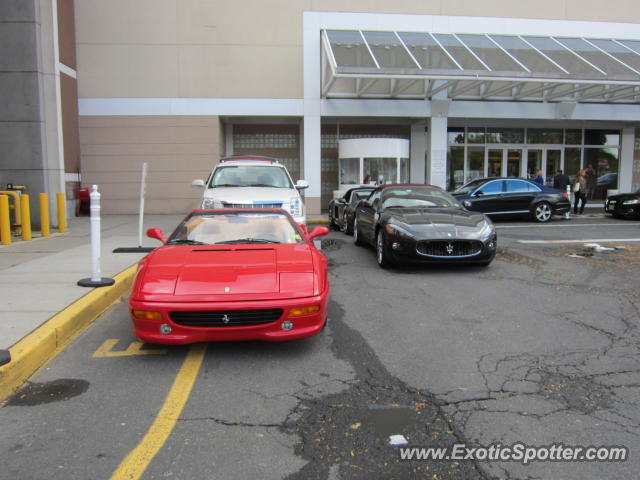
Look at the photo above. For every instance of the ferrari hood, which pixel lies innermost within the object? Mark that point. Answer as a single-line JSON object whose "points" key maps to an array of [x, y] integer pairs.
{"points": [[228, 271]]}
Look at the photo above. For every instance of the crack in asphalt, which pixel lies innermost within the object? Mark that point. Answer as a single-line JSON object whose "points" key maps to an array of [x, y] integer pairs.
{"points": [[339, 436]]}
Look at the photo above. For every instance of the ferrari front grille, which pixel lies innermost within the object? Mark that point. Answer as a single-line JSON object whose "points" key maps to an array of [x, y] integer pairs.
{"points": [[449, 248], [225, 318]]}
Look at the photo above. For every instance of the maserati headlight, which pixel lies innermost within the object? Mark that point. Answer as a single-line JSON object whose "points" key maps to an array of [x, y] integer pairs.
{"points": [[487, 231], [635, 201], [396, 230], [295, 207]]}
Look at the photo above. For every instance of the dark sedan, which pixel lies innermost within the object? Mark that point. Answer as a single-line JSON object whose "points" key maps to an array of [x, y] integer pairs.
{"points": [[341, 209], [623, 205], [423, 224], [513, 197]]}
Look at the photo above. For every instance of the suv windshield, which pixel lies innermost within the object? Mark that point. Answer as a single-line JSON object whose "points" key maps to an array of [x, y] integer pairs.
{"points": [[230, 228], [250, 176], [417, 198]]}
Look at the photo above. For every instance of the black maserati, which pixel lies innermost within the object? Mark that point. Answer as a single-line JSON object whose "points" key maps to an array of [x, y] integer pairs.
{"points": [[341, 209], [623, 205], [422, 224]]}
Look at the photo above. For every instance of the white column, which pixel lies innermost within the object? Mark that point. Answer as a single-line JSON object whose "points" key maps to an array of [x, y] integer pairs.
{"points": [[625, 172], [437, 165], [418, 152], [311, 139]]}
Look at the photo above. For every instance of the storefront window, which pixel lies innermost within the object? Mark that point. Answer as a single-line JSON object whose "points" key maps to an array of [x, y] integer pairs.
{"points": [[605, 163], [544, 135], [573, 137], [349, 171], [602, 137], [571, 161], [475, 135], [381, 170], [475, 163], [455, 167], [404, 170], [505, 135], [455, 135]]}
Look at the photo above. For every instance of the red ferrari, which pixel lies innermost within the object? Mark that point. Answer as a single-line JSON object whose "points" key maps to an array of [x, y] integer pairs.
{"points": [[226, 275]]}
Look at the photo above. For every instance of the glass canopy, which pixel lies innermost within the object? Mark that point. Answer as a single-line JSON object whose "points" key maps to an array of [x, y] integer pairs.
{"points": [[383, 64]]}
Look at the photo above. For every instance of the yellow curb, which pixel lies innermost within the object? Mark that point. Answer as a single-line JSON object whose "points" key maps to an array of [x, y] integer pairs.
{"points": [[34, 350], [317, 221]]}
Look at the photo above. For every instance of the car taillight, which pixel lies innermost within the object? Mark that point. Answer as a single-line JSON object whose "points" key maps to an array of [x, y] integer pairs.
{"points": [[566, 195]]}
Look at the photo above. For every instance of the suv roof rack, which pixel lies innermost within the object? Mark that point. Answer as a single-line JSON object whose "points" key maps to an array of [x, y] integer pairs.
{"points": [[249, 158]]}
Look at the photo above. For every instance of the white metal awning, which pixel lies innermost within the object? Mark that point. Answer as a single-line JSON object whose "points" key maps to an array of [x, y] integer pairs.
{"points": [[419, 65]]}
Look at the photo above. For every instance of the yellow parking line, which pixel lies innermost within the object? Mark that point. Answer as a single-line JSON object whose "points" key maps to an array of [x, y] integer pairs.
{"points": [[137, 461]]}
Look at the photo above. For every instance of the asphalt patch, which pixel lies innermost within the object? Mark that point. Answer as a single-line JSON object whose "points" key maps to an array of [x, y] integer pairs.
{"points": [[38, 393], [331, 244], [577, 393], [348, 432]]}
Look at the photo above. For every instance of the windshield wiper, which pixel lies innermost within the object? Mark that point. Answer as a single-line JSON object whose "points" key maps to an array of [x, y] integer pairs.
{"points": [[246, 240], [184, 241], [228, 185]]}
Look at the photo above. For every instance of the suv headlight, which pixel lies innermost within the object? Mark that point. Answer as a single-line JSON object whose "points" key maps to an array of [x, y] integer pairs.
{"points": [[210, 203], [295, 207]]}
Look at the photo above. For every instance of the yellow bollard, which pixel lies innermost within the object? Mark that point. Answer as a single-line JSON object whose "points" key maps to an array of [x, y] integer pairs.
{"points": [[5, 223], [62, 215], [44, 215], [26, 217]]}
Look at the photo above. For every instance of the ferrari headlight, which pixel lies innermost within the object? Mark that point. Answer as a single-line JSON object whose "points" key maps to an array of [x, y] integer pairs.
{"points": [[635, 201], [396, 230], [295, 207]]}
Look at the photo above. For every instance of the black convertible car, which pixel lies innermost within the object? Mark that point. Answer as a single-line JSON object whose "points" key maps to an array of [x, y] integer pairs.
{"points": [[341, 209], [623, 205], [513, 197], [424, 224]]}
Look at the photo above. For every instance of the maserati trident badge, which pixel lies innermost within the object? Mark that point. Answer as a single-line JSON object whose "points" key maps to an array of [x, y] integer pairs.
{"points": [[449, 248]]}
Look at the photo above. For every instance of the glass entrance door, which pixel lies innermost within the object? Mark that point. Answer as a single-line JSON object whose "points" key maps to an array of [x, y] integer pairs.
{"points": [[534, 162], [494, 162], [552, 165], [514, 163]]}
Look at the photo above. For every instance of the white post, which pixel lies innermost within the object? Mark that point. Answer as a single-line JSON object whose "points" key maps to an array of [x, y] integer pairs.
{"points": [[568, 214], [143, 190], [95, 233], [96, 280]]}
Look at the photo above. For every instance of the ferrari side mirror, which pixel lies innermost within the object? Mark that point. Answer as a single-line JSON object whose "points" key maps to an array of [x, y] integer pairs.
{"points": [[318, 232], [157, 234]]}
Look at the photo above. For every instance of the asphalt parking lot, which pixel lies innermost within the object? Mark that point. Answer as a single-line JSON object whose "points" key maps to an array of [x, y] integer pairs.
{"points": [[540, 347]]}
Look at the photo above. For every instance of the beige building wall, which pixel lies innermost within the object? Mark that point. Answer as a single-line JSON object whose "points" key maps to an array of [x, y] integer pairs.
{"points": [[177, 149], [249, 48]]}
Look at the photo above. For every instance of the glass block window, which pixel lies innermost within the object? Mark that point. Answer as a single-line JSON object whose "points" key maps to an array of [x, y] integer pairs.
{"points": [[265, 140]]}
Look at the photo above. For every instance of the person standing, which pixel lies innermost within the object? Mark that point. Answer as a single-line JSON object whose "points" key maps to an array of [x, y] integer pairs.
{"points": [[590, 177], [560, 181], [539, 178], [580, 192]]}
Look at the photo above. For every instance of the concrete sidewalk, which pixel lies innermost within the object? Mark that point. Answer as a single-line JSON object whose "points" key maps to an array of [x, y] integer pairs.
{"points": [[38, 278]]}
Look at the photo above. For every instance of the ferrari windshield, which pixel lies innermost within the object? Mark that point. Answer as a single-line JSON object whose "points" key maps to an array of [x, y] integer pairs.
{"points": [[235, 228], [250, 176], [417, 197]]}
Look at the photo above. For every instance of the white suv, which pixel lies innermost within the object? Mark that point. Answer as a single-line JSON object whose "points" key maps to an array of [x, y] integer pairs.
{"points": [[252, 182]]}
